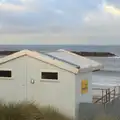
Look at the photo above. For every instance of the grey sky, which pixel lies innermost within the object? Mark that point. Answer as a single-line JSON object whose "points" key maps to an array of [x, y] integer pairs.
{"points": [[59, 22]]}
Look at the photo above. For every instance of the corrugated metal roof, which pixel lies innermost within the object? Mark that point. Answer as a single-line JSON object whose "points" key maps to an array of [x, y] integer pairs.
{"points": [[54, 57], [83, 62]]}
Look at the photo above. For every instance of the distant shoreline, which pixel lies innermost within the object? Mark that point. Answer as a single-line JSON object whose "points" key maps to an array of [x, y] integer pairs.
{"points": [[94, 54], [114, 49], [82, 53]]}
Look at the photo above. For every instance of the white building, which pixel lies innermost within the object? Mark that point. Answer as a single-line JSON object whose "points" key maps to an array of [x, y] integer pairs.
{"points": [[49, 79]]}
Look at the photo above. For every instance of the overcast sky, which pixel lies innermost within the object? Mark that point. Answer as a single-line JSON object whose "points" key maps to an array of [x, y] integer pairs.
{"points": [[60, 22]]}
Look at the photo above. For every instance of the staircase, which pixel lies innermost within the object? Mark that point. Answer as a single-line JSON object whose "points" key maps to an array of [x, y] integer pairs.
{"points": [[106, 96]]}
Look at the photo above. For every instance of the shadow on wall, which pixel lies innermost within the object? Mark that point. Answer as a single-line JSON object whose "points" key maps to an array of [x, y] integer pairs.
{"points": [[90, 111]]}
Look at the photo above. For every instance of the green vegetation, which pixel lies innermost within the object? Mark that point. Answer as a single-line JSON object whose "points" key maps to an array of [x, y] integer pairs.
{"points": [[29, 111]]}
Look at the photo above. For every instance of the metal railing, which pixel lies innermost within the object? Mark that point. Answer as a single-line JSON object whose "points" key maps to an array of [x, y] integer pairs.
{"points": [[106, 97]]}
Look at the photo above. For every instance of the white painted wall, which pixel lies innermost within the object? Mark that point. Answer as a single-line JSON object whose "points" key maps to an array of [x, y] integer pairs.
{"points": [[59, 94], [14, 89], [83, 98]]}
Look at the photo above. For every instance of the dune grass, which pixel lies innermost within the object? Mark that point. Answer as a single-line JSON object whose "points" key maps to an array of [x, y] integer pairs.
{"points": [[30, 111]]}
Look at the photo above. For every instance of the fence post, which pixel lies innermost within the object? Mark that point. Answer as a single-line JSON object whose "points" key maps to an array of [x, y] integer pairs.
{"points": [[119, 90], [102, 97], [109, 94], [114, 93], [106, 97]]}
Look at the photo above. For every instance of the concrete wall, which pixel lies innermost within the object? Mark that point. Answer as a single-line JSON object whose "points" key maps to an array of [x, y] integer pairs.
{"points": [[14, 89], [59, 94], [89, 111]]}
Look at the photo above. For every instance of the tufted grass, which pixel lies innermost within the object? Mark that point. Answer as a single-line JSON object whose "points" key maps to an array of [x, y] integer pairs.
{"points": [[28, 111]]}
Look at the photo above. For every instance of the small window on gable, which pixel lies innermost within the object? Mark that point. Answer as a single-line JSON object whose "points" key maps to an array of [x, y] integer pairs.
{"points": [[5, 73], [49, 75]]}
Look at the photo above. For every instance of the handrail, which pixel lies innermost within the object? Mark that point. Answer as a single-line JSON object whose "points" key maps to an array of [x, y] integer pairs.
{"points": [[103, 96], [109, 95]]}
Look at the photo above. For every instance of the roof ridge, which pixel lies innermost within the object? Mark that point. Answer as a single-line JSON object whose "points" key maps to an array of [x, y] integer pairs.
{"points": [[69, 52]]}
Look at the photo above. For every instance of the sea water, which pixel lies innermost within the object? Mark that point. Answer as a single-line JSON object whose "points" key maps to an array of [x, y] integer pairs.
{"points": [[92, 48]]}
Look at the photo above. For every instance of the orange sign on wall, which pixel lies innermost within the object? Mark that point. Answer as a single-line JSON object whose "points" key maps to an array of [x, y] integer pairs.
{"points": [[84, 86]]}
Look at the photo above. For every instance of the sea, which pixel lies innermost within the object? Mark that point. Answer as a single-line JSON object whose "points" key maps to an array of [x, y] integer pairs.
{"points": [[90, 48]]}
